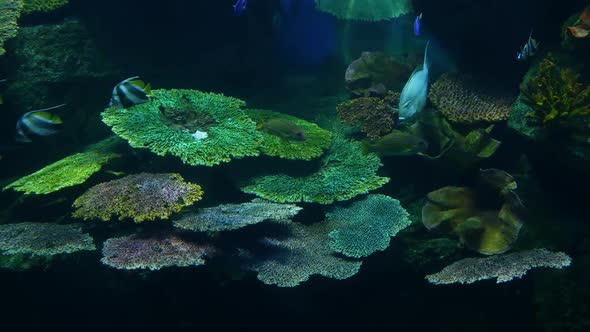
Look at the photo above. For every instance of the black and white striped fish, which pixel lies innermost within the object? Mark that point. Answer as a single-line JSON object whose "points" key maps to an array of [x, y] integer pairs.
{"points": [[529, 49], [37, 123], [129, 92]]}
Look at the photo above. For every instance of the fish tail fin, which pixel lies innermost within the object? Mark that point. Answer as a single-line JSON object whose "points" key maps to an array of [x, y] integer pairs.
{"points": [[426, 61], [148, 89]]}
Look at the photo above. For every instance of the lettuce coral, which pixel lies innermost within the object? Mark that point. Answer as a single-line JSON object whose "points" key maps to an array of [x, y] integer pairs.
{"points": [[366, 226], [502, 267], [365, 10], [316, 138], [31, 6], [154, 252], [10, 11], [345, 173], [143, 196], [43, 239], [175, 122], [70, 171]]}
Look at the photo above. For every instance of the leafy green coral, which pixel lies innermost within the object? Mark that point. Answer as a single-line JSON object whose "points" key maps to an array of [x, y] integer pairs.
{"points": [[345, 173], [70, 171], [10, 11], [200, 128], [316, 138], [365, 10], [31, 6], [366, 226]]}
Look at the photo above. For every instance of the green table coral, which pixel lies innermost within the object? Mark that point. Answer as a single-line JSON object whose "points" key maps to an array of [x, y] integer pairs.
{"points": [[70, 171], [10, 11], [200, 128], [31, 6], [346, 173], [365, 10], [316, 138], [366, 226]]}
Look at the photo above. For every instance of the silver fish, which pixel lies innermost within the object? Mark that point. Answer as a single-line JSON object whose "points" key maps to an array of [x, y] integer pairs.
{"points": [[413, 97]]}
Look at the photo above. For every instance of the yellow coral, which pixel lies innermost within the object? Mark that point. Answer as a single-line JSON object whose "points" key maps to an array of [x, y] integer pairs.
{"points": [[31, 6]]}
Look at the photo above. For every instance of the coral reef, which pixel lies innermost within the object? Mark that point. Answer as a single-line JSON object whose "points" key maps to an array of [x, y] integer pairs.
{"points": [[312, 146], [345, 173], [292, 259], [365, 10], [166, 125], [10, 11], [376, 115], [140, 197], [43, 239], [461, 100], [502, 267], [226, 217], [31, 6], [375, 73], [70, 171], [154, 252], [366, 226]]}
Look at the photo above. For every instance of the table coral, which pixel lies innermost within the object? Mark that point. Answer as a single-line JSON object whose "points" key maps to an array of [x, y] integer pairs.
{"points": [[316, 138], [154, 252], [461, 100], [226, 217], [365, 10], [31, 6], [366, 226], [292, 259], [70, 171], [376, 115], [10, 11], [43, 239], [140, 197], [168, 122], [345, 173], [502, 267]]}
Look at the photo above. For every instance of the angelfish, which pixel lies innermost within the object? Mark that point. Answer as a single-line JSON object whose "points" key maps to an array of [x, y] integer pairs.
{"points": [[413, 97], [240, 7], [529, 49], [129, 92]]}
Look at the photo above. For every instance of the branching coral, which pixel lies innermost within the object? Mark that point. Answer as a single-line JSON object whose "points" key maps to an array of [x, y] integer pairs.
{"points": [[502, 267], [555, 95], [315, 139], [375, 114], [345, 173], [168, 124], [290, 260], [461, 100], [366, 226], [70, 171], [154, 252], [42, 5], [143, 196], [43, 239], [227, 217], [10, 11], [365, 10]]}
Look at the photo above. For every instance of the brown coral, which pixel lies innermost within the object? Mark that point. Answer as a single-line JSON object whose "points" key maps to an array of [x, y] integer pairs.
{"points": [[460, 99], [375, 114]]}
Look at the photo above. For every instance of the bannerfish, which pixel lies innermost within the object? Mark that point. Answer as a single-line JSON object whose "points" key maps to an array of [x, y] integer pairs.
{"points": [[282, 128], [132, 91], [413, 97], [38, 122], [417, 23], [240, 7], [529, 49], [397, 143]]}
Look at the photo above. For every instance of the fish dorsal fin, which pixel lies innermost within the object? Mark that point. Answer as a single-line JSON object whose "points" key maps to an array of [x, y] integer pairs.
{"points": [[426, 62], [138, 83], [47, 116], [148, 89]]}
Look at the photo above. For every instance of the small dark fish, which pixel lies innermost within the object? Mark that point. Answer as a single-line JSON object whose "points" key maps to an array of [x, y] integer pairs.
{"points": [[397, 143], [38, 122], [283, 128], [132, 91], [417, 23], [240, 7], [529, 49]]}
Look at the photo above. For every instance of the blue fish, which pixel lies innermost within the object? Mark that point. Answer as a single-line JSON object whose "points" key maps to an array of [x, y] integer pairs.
{"points": [[417, 22], [414, 93], [240, 7]]}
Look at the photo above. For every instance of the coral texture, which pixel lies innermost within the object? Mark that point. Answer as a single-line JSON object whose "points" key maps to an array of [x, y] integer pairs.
{"points": [[31, 6], [345, 173], [70, 171], [227, 217], [154, 252], [366, 226], [502, 267], [10, 11], [140, 197], [460, 99], [43, 239], [316, 138], [365, 10], [167, 124], [376, 115], [375, 73]]}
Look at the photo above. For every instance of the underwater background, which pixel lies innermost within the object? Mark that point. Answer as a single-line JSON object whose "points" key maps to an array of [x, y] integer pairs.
{"points": [[285, 164]]}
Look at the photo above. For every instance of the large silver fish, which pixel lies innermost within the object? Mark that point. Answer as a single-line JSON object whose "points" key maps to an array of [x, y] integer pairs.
{"points": [[413, 97]]}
